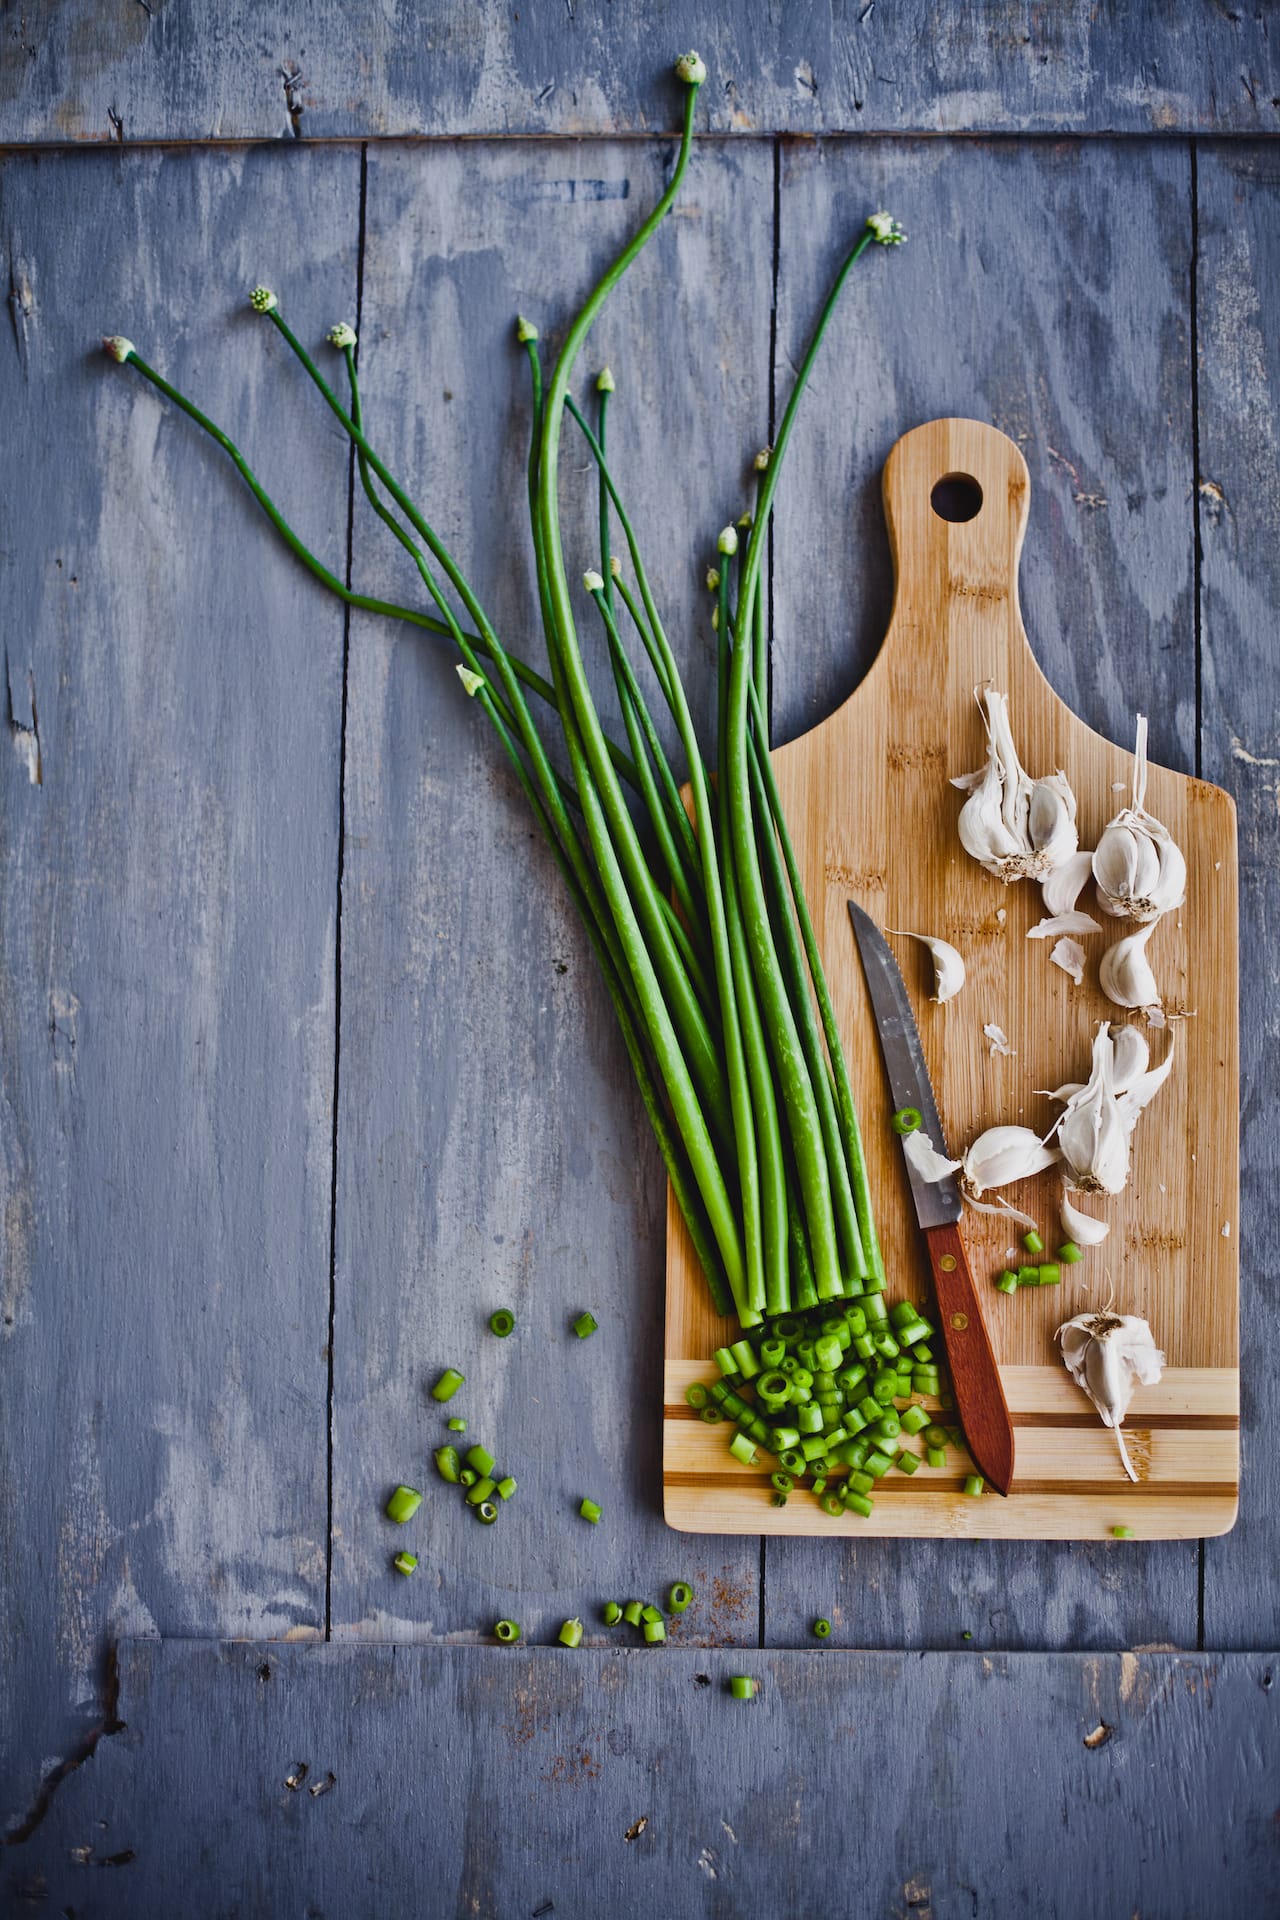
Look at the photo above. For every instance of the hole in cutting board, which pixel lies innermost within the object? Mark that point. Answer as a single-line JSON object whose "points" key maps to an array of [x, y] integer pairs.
{"points": [[956, 497]]}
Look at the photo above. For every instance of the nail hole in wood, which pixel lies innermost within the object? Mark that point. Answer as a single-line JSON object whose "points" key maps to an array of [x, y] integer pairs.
{"points": [[956, 497]]}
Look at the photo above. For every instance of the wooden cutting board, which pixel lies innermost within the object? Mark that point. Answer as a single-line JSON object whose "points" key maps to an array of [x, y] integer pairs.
{"points": [[873, 816]]}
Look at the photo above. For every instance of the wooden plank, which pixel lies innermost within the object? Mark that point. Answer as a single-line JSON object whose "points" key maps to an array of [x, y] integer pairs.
{"points": [[282, 69], [1238, 501], [491, 1150], [377, 1779], [166, 975], [1081, 354]]}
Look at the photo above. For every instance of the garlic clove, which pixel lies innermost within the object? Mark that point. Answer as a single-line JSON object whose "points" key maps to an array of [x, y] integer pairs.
{"points": [[1069, 922], [1070, 956], [948, 964], [1131, 1057], [1063, 887], [1081, 1227], [1002, 1155], [1142, 1089], [1091, 1131], [1051, 820], [1124, 973]]}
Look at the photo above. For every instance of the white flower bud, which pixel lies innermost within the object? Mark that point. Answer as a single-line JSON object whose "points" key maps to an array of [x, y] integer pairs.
{"points": [[885, 230], [262, 300], [592, 581], [691, 69], [615, 566], [744, 520], [118, 347], [525, 330], [471, 681], [761, 461], [342, 335], [728, 541], [604, 381], [713, 579]]}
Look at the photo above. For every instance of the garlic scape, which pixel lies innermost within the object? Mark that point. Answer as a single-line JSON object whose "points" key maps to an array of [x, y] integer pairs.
{"points": [[1138, 868], [1108, 1355], [1016, 827], [948, 964]]}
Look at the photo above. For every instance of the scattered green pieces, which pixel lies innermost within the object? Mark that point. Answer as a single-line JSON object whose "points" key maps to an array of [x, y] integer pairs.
{"points": [[1007, 1282], [467, 1477], [650, 1613], [1032, 1242], [679, 1596], [505, 1487], [695, 1395], [448, 1383], [405, 1562], [1122, 1533], [501, 1322], [480, 1489], [1028, 1276], [1050, 1274], [486, 1513], [973, 1485], [741, 1449], [907, 1120], [447, 1464], [611, 1613], [633, 1612], [480, 1458], [585, 1325], [457, 1424], [403, 1504], [743, 1687], [571, 1633], [508, 1631], [1069, 1253], [590, 1511], [821, 1627], [654, 1631]]}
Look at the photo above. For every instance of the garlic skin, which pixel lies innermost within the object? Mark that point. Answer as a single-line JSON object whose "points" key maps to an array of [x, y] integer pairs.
{"points": [[1070, 956], [1015, 827], [1069, 922], [1108, 1355], [1078, 1226], [999, 1040], [1124, 973], [1138, 868], [948, 964], [1092, 1132]]}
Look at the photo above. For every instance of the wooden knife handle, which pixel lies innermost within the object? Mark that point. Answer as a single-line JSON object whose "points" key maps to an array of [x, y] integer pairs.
{"points": [[980, 1400]]}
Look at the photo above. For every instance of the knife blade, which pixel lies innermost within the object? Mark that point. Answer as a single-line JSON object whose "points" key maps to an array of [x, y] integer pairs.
{"points": [[980, 1401]]}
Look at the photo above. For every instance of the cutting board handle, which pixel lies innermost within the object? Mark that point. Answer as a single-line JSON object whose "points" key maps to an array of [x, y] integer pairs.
{"points": [[956, 499]]}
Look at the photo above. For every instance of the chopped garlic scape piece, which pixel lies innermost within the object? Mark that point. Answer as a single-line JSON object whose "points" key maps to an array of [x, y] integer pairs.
{"points": [[1016, 827], [1070, 956], [1108, 1355], [1078, 1226], [948, 964]]}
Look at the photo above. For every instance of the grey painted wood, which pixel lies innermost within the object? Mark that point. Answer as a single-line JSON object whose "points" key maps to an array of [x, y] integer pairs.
{"points": [[492, 1151], [1238, 502], [476, 1781], [1045, 288], [168, 804], [124, 70]]}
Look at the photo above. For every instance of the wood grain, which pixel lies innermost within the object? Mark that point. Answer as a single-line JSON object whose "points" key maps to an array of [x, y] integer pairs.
{"points": [[294, 70], [491, 1149], [1046, 287], [168, 802], [630, 1783], [1238, 507], [872, 817]]}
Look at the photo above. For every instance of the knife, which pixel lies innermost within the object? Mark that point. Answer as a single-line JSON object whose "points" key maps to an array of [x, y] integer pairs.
{"points": [[980, 1401]]}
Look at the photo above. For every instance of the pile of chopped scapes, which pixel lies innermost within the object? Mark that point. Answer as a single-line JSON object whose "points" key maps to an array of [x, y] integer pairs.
{"points": [[696, 916], [836, 1397]]}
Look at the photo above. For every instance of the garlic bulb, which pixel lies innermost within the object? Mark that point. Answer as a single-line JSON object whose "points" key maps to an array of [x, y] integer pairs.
{"points": [[1078, 1226], [1138, 868], [1108, 1355], [1016, 827], [1092, 1133], [1124, 973], [948, 964]]}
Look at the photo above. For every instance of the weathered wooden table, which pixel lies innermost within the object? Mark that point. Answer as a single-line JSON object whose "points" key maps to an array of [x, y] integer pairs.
{"points": [[304, 1063]]}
